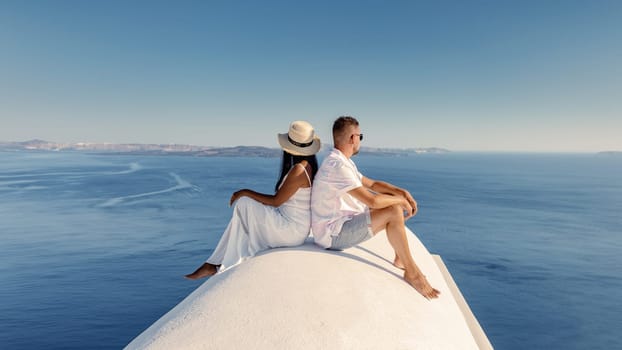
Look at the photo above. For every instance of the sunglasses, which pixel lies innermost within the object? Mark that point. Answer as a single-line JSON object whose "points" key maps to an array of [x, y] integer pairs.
{"points": [[359, 135]]}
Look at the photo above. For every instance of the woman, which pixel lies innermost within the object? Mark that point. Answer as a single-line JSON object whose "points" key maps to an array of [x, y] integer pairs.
{"points": [[262, 221]]}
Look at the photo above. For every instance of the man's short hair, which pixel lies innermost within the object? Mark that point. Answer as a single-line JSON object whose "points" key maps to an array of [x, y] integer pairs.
{"points": [[342, 123]]}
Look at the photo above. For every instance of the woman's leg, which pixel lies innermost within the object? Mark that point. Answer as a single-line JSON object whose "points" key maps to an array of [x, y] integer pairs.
{"points": [[233, 245], [204, 270]]}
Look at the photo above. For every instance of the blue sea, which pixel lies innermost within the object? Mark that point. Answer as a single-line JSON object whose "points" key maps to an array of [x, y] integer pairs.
{"points": [[93, 247]]}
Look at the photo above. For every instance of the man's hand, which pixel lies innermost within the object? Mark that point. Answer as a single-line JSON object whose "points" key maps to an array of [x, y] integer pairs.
{"points": [[409, 211], [411, 201]]}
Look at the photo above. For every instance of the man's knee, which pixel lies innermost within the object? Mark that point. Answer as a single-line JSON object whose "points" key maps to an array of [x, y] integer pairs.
{"points": [[397, 213], [381, 218]]}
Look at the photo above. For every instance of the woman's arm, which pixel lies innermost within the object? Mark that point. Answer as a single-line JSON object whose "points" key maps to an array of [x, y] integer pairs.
{"points": [[294, 181]]}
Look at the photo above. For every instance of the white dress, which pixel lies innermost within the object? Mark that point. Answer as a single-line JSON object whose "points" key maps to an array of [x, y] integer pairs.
{"points": [[255, 227]]}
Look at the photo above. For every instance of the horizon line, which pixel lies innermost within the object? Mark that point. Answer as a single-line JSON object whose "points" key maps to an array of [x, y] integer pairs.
{"points": [[323, 147]]}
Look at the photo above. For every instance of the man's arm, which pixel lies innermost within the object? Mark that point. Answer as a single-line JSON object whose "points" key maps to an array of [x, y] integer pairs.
{"points": [[389, 189], [381, 200]]}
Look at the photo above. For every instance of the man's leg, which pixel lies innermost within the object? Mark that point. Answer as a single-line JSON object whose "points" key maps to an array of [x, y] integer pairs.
{"points": [[391, 219]]}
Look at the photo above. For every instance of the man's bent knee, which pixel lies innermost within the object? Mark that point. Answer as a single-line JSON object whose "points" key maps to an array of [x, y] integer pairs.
{"points": [[381, 218], [397, 213]]}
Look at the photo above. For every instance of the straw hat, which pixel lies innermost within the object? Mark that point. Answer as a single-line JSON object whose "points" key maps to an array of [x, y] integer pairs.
{"points": [[300, 140]]}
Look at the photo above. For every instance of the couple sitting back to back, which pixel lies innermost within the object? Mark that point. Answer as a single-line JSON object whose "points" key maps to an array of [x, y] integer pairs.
{"points": [[343, 207]]}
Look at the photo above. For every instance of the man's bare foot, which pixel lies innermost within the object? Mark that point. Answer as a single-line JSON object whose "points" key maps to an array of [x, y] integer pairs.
{"points": [[398, 263], [204, 270], [421, 284]]}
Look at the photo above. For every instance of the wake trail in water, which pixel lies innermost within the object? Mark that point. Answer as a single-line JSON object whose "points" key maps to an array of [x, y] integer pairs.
{"points": [[181, 185], [133, 167], [16, 182]]}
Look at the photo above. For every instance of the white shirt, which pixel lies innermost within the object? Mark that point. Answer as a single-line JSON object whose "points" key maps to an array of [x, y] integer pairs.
{"points": [[331, 204]]}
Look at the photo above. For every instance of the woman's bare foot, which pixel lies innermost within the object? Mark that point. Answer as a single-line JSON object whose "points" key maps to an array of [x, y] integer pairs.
{"points": [[421, 284], [397, 262], [204, 270]]}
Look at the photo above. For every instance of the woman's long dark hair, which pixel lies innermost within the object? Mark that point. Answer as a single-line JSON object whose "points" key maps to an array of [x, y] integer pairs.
{"points": [[289, 160]]}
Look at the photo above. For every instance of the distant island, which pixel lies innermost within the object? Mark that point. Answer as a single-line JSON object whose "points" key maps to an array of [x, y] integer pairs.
{"points": [[188, 150]]}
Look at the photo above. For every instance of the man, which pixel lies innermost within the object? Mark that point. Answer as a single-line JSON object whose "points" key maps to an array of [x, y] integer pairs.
{"points": [[348, 208]]}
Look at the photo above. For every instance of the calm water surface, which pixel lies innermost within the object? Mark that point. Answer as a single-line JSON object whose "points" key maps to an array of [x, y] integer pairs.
{"points": [[93, 247]]}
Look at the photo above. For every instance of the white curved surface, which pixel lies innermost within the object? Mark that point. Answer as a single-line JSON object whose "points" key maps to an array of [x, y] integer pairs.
{"points": [[309, 298]]}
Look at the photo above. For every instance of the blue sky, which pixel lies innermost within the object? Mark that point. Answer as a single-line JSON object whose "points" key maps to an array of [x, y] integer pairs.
{"points": [[463, 75]]}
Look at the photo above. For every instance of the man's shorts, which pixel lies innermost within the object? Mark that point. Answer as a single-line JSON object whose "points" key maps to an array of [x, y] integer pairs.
{"points": [[354, 231]]}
